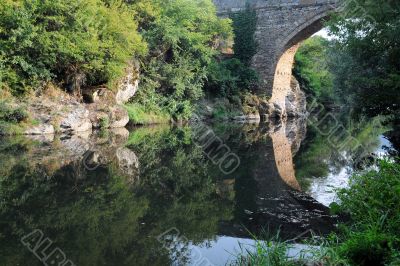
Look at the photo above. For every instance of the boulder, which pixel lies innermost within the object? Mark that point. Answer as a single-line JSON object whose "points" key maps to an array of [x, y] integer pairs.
{"points": [[118, 117], [103, 116], [98, 118]]}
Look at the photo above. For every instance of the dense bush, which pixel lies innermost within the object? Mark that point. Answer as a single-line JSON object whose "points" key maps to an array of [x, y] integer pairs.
{"points": [[11, 114], [73, 42]]}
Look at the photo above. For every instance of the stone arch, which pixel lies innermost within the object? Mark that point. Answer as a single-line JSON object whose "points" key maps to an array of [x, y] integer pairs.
{"points": [[287, 48]]}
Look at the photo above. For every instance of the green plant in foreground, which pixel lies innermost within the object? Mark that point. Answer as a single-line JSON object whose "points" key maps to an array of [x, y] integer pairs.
{"points": [[373, 203]]}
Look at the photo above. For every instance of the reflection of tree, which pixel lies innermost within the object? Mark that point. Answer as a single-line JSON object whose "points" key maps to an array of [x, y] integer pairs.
{"points": [[183, 190], [102, 219], [317, 157], [86, 221]]}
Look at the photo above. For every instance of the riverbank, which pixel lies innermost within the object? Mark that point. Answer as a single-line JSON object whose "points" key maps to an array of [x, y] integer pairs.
{"points": [[54, 111]]}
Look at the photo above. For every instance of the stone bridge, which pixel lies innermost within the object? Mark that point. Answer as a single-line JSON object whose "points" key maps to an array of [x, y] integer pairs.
{"points": [[281, 26]]}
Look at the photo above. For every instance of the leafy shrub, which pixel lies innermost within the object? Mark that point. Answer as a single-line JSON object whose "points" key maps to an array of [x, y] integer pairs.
{"points": [[366, 248], [73, 42], [374, 198], [244, 27]]}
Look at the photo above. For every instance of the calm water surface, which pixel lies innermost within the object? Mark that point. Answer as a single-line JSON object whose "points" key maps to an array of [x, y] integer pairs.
{"points": [[155, 196]]}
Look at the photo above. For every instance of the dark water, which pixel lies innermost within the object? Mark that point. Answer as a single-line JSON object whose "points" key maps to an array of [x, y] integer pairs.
{"points": [[164, 195]]}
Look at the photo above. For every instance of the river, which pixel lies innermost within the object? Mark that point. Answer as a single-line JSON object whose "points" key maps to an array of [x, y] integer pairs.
{"points": [[169, 194]]}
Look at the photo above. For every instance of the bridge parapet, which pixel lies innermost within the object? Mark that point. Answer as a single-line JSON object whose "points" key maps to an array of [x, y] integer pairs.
{"points": [[225, 6]]}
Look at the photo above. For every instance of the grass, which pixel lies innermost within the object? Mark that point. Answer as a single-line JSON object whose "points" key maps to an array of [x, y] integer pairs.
{"points": [[272, 252], [138, 115], [371, 237]]}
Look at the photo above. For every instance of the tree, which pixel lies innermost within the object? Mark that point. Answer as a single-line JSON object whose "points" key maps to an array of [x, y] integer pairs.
{"points": [[73, 43]]}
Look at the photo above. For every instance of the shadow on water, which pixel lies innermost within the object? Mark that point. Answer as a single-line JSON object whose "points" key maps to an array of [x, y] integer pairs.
{"points": [[105, 198]]}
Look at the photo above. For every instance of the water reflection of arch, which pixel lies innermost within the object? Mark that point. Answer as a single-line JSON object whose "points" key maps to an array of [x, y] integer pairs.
{"points": [[267, 193], [284, 157]]}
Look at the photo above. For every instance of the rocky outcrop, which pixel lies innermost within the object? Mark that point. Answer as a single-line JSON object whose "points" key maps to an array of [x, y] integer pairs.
{"points": [[128, 86], [54, 111], [295, 104], [58, 112], [76, 120], [103, 116], [41, 129]]}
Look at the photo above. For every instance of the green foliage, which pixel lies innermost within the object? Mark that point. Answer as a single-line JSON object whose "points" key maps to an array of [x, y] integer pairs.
{"points": [[273, 252], [181, 36], [104, 122], [372, 201], [312, 70], [367, 64], [11, 115], [74, 43], [230, 77]]}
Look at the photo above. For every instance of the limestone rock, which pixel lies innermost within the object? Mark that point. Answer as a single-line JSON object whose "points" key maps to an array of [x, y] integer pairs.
{"points": [[295, 102], [76, 121], [98, 117], [118, 117], [129, 85]]}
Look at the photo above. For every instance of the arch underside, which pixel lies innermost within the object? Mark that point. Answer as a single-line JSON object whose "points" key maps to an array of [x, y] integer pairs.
{"points": [[283, 70]]}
